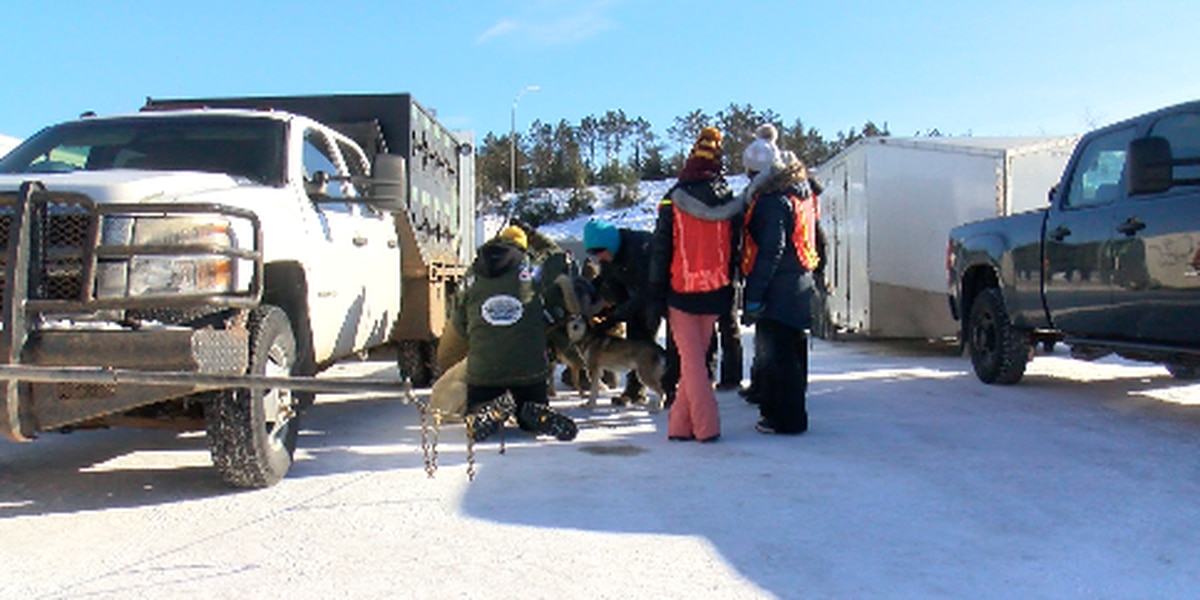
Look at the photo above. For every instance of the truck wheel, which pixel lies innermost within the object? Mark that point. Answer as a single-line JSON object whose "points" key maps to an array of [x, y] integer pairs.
{"points": [[1183, 372], [417, 360], [252, 431], [999, 352]]}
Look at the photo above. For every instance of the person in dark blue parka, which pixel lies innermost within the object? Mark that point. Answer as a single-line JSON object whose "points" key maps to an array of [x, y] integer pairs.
{"points": [[783, 249]]}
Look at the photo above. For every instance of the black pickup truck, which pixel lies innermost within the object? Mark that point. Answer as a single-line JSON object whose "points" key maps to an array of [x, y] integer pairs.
{"points": [[1111, 266]]}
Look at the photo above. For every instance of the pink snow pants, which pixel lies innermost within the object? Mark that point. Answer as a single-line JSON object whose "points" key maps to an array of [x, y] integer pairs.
{"points": [[694, 412]]}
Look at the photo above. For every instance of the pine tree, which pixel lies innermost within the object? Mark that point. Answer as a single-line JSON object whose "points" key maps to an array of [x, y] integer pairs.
{"points": [[563, 156]]}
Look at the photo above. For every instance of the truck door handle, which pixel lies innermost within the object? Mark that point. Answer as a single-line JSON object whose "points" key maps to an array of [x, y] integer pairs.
{"points": [[359, 240], [1131, 226], [1060, 233]]}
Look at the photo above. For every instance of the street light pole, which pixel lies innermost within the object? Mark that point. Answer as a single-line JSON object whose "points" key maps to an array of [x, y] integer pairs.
{"points": [[512, 139]]}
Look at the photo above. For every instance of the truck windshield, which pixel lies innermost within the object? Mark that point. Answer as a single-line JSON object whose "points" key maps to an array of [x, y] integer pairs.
{"points": [[241, 147]]}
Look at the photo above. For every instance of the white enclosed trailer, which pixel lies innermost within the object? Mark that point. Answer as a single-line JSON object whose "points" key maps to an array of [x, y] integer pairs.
{"points": [[887, 208]]}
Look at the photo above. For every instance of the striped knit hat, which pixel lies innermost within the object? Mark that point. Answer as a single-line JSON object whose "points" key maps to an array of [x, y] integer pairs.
{"points": [[705, 157]]}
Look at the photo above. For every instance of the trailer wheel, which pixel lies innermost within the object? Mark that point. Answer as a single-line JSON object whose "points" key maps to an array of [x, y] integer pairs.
{"points": [[251, 431], [999, 352], [417, 360]]}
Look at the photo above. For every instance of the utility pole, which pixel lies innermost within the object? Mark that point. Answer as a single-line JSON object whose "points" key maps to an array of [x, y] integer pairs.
{"points": [[512, 139]]}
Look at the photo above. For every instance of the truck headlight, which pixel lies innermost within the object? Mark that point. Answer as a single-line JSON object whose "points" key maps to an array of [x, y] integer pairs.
{"points": [[170, 255], [178, 231], [157, 276]]}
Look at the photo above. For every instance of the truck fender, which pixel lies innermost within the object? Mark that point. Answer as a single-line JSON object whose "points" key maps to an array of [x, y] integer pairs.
{"points": [[977, 267], [286, 286]]}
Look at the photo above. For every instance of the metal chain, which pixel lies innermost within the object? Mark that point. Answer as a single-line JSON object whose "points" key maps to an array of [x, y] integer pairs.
{"points": [[428, 442], [470, 450], [437, 435]]}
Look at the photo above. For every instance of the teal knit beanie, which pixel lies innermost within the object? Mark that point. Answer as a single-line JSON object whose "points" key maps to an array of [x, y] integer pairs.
{"points": [[601, 235]]}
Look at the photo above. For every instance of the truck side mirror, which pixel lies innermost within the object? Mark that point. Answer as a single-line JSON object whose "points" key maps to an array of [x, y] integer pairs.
{"points": [[1051, 194], [1148, 166], [388, 183], [318, 184]]}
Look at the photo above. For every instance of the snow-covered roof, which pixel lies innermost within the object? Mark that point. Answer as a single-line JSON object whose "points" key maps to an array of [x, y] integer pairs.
{"points": [[969, 143], [7, 143]]}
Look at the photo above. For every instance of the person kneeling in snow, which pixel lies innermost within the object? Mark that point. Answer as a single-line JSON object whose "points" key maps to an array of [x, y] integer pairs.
{"points": [[500, 315]]}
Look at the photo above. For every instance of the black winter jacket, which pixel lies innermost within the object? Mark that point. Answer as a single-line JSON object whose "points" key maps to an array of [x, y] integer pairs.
{"points": [[777, 279], [709, 200], [624, 281]]}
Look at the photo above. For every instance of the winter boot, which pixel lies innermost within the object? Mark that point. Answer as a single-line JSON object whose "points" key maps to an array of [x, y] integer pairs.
{"points": [[545, 420], [489, 417]]}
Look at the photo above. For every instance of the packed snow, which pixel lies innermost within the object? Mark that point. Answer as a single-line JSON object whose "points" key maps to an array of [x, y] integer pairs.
{"points": [[914, 481]]}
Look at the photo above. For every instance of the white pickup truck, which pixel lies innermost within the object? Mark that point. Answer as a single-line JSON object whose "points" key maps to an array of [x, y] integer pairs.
{"points": [[203, 242]]}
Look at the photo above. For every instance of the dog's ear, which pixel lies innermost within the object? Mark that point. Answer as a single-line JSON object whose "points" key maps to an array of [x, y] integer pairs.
{"points": [[567, 287], [589, 301]]}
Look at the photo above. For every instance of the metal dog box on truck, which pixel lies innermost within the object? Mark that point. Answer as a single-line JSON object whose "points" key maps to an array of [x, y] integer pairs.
{"points": [[437, 231], [195, 268]]}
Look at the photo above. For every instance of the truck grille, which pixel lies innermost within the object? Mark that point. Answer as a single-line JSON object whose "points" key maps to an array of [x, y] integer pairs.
{"points": [[61, 241]]}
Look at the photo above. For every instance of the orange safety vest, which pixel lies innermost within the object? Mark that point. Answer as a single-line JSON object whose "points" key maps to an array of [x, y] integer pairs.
{"points": [[804, 233], [700, 260]]}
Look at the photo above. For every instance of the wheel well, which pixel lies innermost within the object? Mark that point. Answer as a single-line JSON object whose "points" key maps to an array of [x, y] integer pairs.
{"points": [[285, 286], [974, 280]]}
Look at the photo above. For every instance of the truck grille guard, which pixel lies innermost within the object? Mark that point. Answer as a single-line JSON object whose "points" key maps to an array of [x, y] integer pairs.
{"points": [[49, 249]]}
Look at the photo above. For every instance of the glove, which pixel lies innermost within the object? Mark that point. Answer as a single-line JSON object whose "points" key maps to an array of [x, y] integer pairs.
{"points": [[605, 324], [751, 312]]}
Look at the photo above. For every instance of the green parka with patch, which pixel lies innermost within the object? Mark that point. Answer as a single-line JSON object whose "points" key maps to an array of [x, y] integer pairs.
{"points": [[500, 314]]}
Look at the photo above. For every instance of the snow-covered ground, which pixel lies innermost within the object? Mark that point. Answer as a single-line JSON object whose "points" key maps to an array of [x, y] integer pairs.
{"points": [[915, 481]]}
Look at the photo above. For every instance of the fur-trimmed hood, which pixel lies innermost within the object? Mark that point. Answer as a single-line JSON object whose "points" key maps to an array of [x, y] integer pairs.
{"points": [[779, 178], [710, 200]]}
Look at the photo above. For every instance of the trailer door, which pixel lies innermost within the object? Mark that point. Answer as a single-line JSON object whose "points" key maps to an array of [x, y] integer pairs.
{"points": [[834, 210]]}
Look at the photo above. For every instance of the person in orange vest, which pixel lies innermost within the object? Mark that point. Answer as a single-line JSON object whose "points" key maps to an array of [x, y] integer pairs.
{"points": [[782, 258], [693, 259]]}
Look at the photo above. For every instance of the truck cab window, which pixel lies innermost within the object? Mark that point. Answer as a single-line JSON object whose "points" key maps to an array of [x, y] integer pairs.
{"points": [[319, 157], [355, 165], [1097, 177], [1182, 131], [61, 159]]}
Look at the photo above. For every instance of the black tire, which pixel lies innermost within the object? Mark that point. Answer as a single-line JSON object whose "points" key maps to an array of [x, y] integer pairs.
{"points": [[999, 352], [252, 432], [1183, 372], [417, 360]]}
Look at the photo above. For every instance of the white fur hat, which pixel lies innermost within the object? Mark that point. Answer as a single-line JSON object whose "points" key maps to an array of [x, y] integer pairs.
{"points": [[762, 152]]}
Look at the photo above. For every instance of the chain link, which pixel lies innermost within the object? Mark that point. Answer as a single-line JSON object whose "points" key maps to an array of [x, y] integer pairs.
{"points": [[470, 450], [428, 438]]}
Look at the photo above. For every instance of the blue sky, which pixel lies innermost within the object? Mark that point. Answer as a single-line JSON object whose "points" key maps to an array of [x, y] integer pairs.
{"points": [[978, 68]]}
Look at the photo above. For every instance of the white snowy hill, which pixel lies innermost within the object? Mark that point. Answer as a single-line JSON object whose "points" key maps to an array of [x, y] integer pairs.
{"points": [[640, 216], [7, 143]]}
